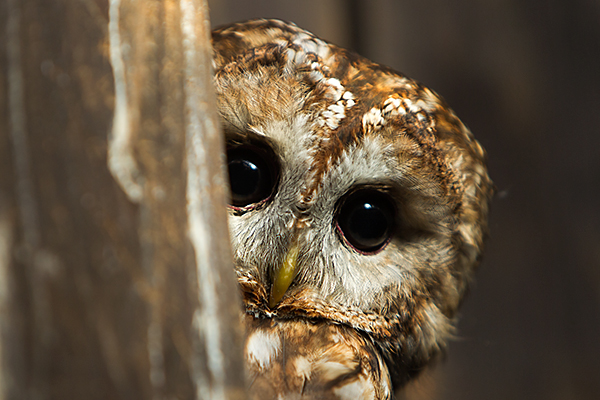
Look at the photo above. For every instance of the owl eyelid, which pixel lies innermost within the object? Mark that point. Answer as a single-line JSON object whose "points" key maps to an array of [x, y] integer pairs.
{"points": [[359, 251], [375, 187], [237, 210], [249, 137]]}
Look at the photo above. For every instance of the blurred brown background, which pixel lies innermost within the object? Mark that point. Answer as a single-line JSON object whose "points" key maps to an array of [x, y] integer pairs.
{"points": [[524, 76]]}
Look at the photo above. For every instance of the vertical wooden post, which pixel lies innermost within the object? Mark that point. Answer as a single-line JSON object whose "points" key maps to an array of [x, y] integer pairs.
{"points": [[115, 272]]}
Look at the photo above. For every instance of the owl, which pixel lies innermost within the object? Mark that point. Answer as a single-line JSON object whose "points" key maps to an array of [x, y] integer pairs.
{"points": [[357, 215]]}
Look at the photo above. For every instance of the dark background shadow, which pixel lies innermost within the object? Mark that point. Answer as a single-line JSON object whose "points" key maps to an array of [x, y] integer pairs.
{"points": [[524, 76]]}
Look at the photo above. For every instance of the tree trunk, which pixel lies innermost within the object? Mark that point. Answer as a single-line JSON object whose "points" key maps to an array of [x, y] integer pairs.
{"points": [[115, 272]]}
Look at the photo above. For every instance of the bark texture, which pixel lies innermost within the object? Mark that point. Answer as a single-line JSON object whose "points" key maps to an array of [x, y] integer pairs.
{"points": [[115, 274]]}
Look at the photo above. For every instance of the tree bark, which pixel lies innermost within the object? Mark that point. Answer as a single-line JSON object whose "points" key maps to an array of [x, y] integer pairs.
{"points": [[115, 272]]}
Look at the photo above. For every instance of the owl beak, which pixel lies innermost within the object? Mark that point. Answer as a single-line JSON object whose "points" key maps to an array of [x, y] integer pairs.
{"points": [[284, 276]]}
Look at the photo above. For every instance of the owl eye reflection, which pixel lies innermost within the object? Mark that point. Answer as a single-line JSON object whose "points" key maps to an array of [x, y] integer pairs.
{"points": [[366, 219], [251, 175]]}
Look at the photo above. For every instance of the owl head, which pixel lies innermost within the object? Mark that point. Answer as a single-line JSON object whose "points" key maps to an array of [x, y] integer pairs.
{"points": [[358, 205]]}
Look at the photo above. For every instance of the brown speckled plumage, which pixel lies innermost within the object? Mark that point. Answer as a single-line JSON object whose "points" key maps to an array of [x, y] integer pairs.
{"points": [[337, 123]]}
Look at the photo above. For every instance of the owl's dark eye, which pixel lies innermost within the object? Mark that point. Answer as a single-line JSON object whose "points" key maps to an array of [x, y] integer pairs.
{"points": [[366, 218], [251, 175]]}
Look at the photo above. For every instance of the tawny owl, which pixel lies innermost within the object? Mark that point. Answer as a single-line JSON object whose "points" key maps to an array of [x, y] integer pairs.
{"points": [[358, 211]]}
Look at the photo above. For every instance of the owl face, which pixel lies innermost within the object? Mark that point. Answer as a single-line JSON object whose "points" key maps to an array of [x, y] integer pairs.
{"points": [[357, 214]]}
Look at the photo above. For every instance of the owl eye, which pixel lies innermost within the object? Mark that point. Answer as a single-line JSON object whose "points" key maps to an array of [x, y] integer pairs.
{"points": [[366, 219], [251, 175]]}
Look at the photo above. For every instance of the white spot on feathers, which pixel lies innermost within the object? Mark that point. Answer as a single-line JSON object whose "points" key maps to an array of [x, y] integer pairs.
{"points": [[360, 388], [331, 370], [372, 120], [262, 347], [303, 367]]}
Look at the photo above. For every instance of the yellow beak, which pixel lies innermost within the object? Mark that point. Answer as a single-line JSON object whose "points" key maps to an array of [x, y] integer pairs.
{"points": [[284, 276]]}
